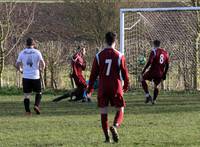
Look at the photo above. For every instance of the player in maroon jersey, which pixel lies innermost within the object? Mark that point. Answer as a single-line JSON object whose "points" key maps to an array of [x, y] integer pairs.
{"points": [[78, 64], [108, 64], [158, 65]]}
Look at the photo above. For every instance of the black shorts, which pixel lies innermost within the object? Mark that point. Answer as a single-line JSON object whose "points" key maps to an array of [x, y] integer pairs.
{"points": [[31, 85]]}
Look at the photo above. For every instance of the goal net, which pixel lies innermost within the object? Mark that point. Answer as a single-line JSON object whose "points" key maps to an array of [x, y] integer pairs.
{"points": [[178, 29]]}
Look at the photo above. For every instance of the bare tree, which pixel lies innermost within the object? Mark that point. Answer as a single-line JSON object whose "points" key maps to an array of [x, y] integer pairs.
{"points": [[55, 54], [15, 21], [92, 19]]}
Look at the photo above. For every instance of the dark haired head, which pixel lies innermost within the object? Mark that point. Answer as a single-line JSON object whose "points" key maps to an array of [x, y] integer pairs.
{"points": [[78, 48], [156, 43], [110, 38], [30, 42]]}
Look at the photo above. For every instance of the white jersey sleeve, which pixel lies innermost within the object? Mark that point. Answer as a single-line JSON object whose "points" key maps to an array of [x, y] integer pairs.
{"points": [[40, 56], [19, 59]]}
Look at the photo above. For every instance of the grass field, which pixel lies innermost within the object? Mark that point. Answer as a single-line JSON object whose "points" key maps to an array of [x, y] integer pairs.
{"points": [[174, 121], [62, 1]]}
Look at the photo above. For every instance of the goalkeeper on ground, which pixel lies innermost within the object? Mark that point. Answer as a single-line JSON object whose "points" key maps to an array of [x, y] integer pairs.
{"points": [[78, 64]]}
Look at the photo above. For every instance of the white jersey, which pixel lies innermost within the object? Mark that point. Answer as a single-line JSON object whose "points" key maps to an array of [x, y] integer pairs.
{"points": [[30, 59]]}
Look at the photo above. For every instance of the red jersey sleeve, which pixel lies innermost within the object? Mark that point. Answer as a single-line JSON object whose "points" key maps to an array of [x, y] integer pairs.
{"points": [[83, 65], [94, 74], [167, 58], [124, 71], [151, 57]]}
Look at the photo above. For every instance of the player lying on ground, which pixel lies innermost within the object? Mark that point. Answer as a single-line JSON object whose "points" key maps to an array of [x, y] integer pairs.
{"points": [[158, 65], [107, 65], [75, 93], [78, 64]]}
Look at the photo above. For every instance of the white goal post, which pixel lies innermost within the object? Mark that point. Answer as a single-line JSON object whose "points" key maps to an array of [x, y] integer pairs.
{"points": [[124, 10], [178, 28]]}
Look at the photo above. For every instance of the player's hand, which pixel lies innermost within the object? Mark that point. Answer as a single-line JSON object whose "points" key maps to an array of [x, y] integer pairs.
{"points": [[89, 94], [164, 77], [125, 88], [142, 73], [21, 71]]}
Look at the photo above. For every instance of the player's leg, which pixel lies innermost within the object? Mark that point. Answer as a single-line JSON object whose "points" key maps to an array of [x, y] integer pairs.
{"points": [[104, 123], [82, 85], [37, 88], [27, 103], [156, 90], [119, 103], [119, 116], [78, 93], [145, 77], [38, 97], [85, 97], [103, 107], [27, 89], [64, 96]]}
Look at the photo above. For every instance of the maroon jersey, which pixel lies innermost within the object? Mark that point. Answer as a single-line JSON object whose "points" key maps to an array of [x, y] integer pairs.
{"points": [[108, 65], [158, 60], [78, 65]]}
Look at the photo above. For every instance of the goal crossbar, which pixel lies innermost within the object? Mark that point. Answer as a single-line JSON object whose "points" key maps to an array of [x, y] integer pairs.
{"points": [[122, 10], [125, 10]]}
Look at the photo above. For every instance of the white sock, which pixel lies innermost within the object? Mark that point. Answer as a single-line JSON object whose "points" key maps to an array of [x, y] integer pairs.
{"points": [[147, 95]]}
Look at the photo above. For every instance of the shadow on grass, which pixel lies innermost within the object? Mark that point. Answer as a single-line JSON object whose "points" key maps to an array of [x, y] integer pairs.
{"points": [[48, 108], [134, 106]]}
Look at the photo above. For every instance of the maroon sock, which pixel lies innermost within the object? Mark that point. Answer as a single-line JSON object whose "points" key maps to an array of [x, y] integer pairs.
{"points": [[145, 86], [156, 91], [104, 124], [119, 116]]}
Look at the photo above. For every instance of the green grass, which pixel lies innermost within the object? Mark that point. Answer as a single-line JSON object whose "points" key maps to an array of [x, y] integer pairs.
{"points": [[46, 1], [174, 121]]}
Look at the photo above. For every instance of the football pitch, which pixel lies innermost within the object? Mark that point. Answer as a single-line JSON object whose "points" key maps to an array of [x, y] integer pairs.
{"points": [[173, 121]]}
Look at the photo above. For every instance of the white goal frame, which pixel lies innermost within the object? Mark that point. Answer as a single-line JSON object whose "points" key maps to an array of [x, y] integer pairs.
{"points": [[124, 10]]}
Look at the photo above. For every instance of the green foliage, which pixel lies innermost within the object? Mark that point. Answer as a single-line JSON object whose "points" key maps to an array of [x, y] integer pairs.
{"points": [[13, 90], [4, 91], [174, 121]]}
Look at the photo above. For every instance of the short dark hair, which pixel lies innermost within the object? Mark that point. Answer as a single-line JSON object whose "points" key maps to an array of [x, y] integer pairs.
{"points": [[156, 43], [110, 38], [30, 42]]}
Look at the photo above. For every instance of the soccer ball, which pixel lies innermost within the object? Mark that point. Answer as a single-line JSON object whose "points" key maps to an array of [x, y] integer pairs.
{"points": [[142, 60]]}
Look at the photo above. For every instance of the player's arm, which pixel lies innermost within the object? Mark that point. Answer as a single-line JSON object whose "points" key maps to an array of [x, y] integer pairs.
{"points": [[83, 65], [124, 71], [18, 64], [166, 68], [165, 72], [93, 76], [149, 62], [42, 65], [19, 67], [79, 61], [41, 62]]}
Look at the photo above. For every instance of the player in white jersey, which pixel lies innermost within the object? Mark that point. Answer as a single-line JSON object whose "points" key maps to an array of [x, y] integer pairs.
{"points": [[29, 63]]}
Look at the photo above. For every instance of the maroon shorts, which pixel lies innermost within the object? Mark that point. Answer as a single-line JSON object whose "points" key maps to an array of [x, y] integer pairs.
{"points": [[115, 101], [151, 77]]}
